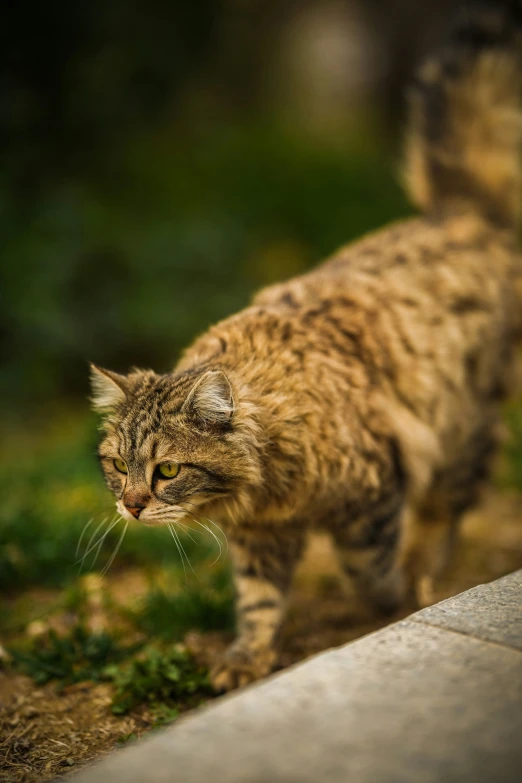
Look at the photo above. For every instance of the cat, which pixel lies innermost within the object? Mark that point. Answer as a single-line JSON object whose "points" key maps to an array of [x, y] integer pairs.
{"points": [[361, 397]]}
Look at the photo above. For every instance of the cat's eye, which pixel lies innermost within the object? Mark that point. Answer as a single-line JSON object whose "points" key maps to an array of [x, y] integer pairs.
{"points": [[168, 470], [120, 466]]}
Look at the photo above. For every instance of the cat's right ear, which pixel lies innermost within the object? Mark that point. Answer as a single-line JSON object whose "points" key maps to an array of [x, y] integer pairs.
{"points": [[109, 389]]}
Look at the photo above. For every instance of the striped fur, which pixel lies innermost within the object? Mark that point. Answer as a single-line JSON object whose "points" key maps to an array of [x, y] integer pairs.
{"points": [[363, 396]]}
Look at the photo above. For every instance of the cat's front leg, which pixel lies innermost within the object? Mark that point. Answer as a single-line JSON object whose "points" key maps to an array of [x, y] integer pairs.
{"points": [[264, 559]]}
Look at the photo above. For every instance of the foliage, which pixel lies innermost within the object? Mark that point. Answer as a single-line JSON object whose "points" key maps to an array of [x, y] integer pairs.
{"points": [[128, 269], [158, 677], [165, 679], [74, 658]]}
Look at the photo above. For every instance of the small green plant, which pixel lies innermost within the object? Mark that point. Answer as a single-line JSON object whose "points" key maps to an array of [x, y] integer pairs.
{"points": [[161, 678], [125, 738], [166, 680], [74, 658]]}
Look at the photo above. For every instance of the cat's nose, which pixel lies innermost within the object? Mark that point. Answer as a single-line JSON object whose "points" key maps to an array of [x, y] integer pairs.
{"points": [[135, 505]]}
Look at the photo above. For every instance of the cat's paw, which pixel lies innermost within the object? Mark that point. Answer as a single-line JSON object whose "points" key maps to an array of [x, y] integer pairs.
{"points": [[239, 666]]}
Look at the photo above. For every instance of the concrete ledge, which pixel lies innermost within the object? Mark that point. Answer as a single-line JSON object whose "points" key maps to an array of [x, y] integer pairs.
{"points": [[491, 612], [436, 698]]}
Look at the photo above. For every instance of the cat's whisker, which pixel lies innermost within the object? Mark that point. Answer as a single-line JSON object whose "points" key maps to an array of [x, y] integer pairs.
{"points": [[118, 545], [186, 556], [89, 548], [205, 527], [186, 528], [96, 554], [100, 540], [85, 528], [179, 550], [211, 522], [218, 558]]}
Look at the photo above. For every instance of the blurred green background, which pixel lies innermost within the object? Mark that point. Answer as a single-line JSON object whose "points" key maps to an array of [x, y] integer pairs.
{"points": [[160, 161]]}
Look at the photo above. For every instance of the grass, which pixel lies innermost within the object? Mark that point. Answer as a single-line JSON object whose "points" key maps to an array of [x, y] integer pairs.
{"points": [[164, 678], [161, 678], [76, 657]]}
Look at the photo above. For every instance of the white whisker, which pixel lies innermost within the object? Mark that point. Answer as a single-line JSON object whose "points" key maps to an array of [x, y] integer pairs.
{"points": [[85, 528], [179, 550], [89, 548], [186, 528], [100, 540], [110, 562], [185, 554], [205, 527], [211, 522], [96, 554]]}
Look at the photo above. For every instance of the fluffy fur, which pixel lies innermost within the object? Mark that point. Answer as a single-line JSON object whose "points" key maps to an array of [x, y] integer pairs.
{"points": [[361, 397]]}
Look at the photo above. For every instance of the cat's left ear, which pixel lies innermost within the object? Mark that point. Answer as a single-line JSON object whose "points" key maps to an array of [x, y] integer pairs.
{"points": [[109, 389], [211, 399]]}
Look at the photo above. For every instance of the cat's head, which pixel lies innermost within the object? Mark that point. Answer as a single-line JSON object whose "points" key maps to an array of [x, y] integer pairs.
{"points": [[172, 443]]}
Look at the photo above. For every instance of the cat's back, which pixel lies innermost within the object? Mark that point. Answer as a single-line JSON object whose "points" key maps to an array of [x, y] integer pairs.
{"points": [[430, 271]]}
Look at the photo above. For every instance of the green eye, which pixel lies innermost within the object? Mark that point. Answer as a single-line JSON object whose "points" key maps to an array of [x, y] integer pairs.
{"points": [[168, 469], [120, 466]]}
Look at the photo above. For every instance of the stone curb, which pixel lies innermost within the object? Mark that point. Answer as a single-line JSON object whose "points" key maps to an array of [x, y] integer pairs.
{"points": [[435, 698]]}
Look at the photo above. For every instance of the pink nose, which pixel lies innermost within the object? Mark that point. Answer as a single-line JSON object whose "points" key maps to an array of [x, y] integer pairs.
{"points": [[135, 503]]}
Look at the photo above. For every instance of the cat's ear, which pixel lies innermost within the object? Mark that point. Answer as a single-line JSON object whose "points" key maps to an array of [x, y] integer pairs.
{"points": [[108, 389], [211, 399]]}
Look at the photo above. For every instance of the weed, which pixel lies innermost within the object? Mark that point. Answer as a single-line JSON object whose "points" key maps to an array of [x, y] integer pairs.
{"points": [[74, 658], [161, 678], [125, 738], [166, 680]]}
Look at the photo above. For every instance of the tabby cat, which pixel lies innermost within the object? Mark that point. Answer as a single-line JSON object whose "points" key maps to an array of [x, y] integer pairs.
{"points": [[361, 397]]}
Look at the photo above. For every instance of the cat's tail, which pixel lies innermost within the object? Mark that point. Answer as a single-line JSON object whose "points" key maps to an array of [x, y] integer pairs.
{"points": [[463, 145]]}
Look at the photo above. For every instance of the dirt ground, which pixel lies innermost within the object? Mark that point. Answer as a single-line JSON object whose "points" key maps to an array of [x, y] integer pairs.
{"points": [[46, 734]]}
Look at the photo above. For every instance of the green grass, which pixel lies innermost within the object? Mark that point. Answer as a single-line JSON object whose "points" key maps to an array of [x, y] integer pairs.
{"points": [[55, 487], [165, 679], [160, 678], [75, 657]]}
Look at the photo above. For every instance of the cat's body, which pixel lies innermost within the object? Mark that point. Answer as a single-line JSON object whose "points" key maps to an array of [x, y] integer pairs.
{"points": [[363, 396]]}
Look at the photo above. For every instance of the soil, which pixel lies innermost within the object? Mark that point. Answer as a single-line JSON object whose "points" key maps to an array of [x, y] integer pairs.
{"points": [[47, 734]]}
